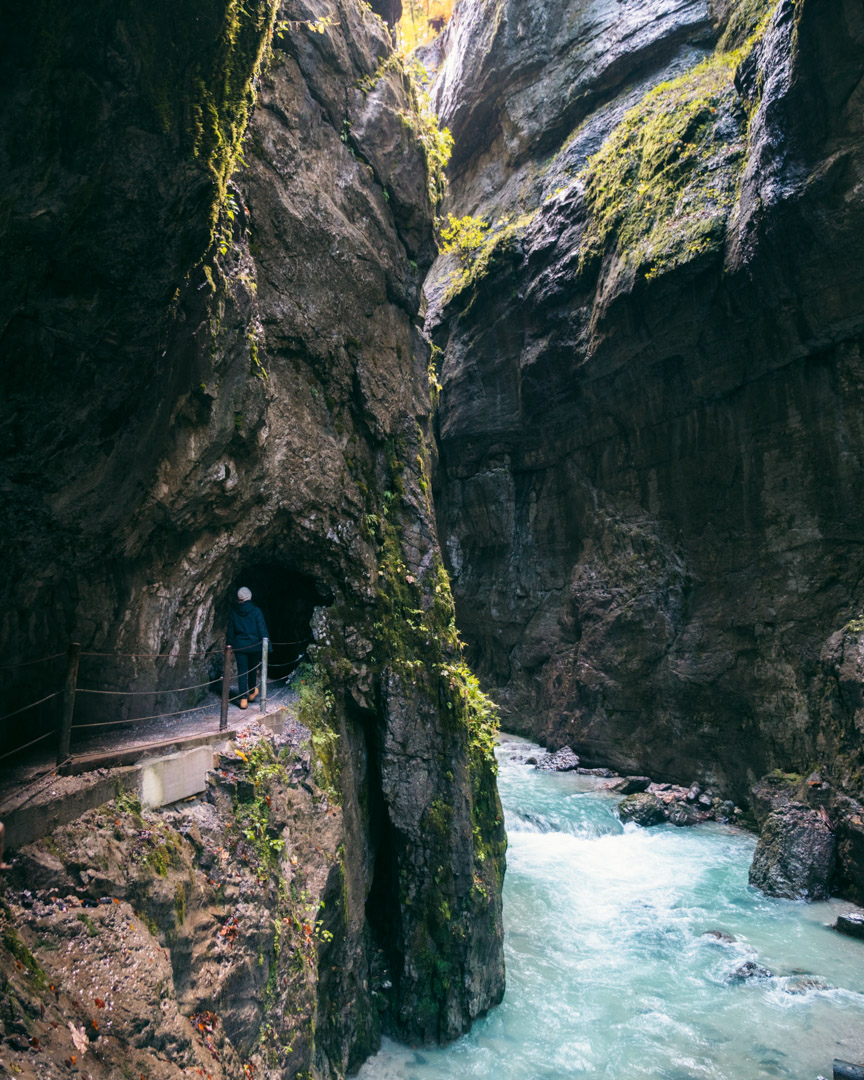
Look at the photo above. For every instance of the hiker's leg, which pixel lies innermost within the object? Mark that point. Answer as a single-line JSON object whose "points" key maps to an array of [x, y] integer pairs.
{"points": [[242, 672], [255, 663]]}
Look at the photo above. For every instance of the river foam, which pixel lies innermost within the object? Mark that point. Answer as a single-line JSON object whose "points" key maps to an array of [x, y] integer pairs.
{"points": [[622, 948]]}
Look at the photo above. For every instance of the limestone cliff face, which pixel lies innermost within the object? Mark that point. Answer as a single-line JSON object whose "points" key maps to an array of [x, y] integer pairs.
{"points": [[652, 452], [211, 373]]}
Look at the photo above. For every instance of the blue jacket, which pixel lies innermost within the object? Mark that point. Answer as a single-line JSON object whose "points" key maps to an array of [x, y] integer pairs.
{"points": [[246, 626]]}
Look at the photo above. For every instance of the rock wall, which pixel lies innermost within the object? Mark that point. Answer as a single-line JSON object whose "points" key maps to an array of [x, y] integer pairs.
{"points": [[652, 455], [212, 370], [211, 936]]}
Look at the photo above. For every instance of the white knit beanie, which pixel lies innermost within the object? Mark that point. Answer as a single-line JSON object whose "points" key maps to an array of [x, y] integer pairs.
{"points": [[244, 594]]}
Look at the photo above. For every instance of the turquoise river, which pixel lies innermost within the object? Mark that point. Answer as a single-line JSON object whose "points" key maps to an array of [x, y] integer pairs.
{"points": [[613, 969]]}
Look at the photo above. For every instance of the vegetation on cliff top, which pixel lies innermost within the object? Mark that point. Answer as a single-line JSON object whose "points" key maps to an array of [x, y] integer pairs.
{"points": [[479, 247], [421, 23]]}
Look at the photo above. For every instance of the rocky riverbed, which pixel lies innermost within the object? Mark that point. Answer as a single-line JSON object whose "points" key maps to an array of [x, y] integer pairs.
{"points": [[798, 820], [645, 952]]}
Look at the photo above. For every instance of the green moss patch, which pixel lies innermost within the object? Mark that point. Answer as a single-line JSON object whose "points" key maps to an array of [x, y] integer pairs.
{"points": [[317, 712], [662, 186], [197, 70], [480, 250], [16, 948], [744, 19], [253, 817]]}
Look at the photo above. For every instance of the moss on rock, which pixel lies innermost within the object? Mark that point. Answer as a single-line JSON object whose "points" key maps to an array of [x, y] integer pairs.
{"points": [[197, 72], [660, 190], [742, 18], [662, 186]]}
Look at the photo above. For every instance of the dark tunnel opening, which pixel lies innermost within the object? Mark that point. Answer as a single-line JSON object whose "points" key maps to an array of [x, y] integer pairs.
{"points": [[286, 599]]}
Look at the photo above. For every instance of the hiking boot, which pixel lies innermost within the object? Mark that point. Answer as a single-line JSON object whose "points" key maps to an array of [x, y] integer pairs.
{"points": [[253, 694], [244, 704]]}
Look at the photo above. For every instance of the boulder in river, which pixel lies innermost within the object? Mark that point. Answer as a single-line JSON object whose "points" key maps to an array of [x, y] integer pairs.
{"points": [[851, 923], [596, 772], [725, 811], [803, 984], [720, 936], [682, 815], [643, 809], [563, 760], [750, 970], [795, 855], [845, 1070], [631, 785]]}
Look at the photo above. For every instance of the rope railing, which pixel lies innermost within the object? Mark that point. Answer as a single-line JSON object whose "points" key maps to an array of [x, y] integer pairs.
{"points": [[139, 693], [165, 656], [151, 655], [32, 705], [29, 663], [34, 785], [138, 719], [32, 742], [71, 689]]}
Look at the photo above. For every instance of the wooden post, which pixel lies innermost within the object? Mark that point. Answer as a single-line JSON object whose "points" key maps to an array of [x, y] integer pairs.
{"points": [[226, 688], [265, 645], [65, 733]]}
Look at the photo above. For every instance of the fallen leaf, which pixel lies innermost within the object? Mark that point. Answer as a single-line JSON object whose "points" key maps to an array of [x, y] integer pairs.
{"points": [[100, 1004], [79, 1038]]}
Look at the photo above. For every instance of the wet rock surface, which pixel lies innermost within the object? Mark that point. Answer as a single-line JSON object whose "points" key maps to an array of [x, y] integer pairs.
{"points": [[619, 584], [563, 760], [631, 785], [626, 590], [212, 373], [795, 856], [750, 970], [851, 923], [720, 936], [642, 809]]}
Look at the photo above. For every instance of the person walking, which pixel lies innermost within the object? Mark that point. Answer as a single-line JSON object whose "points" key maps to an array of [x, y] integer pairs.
{"points": [[246, 631]]}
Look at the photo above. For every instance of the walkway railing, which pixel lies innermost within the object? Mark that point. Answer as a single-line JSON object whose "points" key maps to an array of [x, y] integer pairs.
{"points": [[70, 690]]}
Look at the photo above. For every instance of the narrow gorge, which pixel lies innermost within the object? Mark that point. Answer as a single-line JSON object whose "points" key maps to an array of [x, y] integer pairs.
{"points": [[519, 374]]}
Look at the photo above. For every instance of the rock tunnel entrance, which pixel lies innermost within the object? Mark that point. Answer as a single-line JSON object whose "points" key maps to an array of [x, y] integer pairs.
{"points": [[286, 599]]}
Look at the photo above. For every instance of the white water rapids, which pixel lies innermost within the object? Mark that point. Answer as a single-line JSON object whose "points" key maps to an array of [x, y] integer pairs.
{"points": [[611, 967]]}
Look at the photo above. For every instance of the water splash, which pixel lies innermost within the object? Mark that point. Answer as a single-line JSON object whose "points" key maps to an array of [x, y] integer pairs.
{"points": [[624, 947]]}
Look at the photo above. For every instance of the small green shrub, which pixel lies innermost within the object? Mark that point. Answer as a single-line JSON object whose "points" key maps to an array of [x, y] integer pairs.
{"points": [[437, 142], [464, 236], [317, 712]]}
